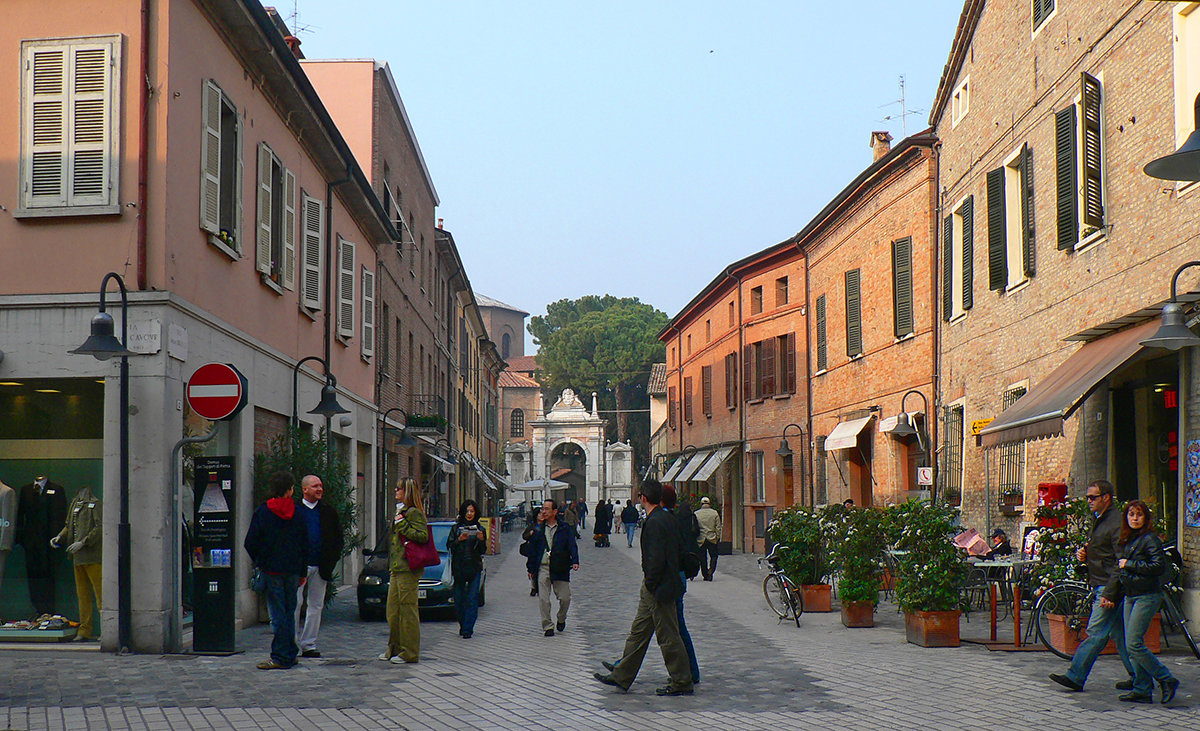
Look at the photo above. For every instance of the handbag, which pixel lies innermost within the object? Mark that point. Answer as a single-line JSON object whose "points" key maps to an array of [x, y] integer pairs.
{"points": [[421, 555], [258, 582]]}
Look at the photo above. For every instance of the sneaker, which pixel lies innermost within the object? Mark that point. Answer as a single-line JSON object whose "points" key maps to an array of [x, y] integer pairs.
{"points": [[272, 665], [397, 660], [669, 690], [311, 653], [1124, 685], [1168, 690], [1135, 698], [384, 656], [561, 626], [549, 633], [1066, 682]]}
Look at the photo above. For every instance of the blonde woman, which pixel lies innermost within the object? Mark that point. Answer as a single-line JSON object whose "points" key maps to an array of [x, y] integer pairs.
{"points": [[404, 621]]}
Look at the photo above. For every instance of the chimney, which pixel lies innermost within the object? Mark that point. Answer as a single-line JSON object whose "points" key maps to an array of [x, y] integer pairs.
{"points": [[440, 220], [881, 144], [294, 44]]}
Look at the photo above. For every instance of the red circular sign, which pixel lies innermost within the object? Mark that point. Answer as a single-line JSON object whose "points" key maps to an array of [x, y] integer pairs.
{"points": [[216, 391]]}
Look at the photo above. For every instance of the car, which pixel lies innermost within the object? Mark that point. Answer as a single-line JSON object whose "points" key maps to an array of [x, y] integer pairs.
{"points": [[435, 588]]}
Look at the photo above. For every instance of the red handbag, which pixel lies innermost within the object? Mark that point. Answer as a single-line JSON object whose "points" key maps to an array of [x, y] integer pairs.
{"points": [[420, 555]]}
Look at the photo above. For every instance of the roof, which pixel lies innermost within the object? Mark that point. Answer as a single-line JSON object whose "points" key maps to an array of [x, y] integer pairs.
{"points": [[508, 379], [524, 363], [485, 301], [658, 380], [967, 22]]}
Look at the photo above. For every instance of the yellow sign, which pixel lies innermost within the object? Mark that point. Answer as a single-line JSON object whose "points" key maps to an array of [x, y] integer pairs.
{"points": [[979, 424]]}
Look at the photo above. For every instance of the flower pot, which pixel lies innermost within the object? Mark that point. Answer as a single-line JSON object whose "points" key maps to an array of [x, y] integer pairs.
{"points": [[858, 614], [817, 597], [1067, 639], [932, 629], [1012, 504]]}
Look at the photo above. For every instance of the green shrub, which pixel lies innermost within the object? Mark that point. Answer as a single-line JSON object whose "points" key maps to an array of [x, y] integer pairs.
{"points": [[859, 539], [805, 532], [1057, 546], [933, 569]]}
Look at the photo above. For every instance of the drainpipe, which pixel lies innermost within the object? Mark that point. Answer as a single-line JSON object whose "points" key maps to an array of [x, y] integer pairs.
{"points": [[810, 440], [935, 307], [143, 145], [741, 326]]}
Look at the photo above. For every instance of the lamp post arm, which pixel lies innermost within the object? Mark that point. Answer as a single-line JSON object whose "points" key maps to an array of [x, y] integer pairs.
{"points": [[1174, 278], [295, 383], [124, 303]]}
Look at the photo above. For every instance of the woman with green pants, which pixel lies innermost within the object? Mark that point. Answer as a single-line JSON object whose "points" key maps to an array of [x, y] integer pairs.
{"points": [[404, 620]]}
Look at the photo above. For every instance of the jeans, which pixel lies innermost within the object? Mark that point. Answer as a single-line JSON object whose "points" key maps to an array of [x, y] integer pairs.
{"points": [[685, 635], [281, 605], [630, 529], [1103, 625], [583, 521], [466, 601], [1139, 610], [708, 559]]}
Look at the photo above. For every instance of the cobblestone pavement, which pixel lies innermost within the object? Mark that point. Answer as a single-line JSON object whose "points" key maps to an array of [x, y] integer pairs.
{"points": [[757, 672]]}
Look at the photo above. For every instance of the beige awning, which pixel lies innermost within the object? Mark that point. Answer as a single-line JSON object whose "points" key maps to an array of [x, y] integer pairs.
{"points": [[673, 470], [845, 434], [711, 464], [1042, 411], [693, 464]]}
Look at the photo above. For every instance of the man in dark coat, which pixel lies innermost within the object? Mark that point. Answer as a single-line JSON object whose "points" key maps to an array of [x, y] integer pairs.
{"points": [[656, 612], [277, 542], [553, 555], [325, 543], [41, 514]]}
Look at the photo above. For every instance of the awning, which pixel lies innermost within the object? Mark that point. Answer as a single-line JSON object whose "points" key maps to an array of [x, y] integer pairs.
{"points": [[692, 465], [673, 470], [712, 463], [1041, 411], [480, 470], [845, 434], [448, 467]]}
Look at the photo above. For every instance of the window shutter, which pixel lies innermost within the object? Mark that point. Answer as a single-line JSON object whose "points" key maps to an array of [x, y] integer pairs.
{"points": [[706, 390], [345, 319], [262, 257], [46, 141], [1064, 163], [902, 296], [997, 238], [853, 315], [672, 406], [822, 350], [790, 363], [1093, 156], [687, 399], [289, 229], [968, 252], [312, 242], [90, 124], [731, 380], [368, 312], [748, 373], [210, 160], [768, 368], [948, 268], [1028, 253]]}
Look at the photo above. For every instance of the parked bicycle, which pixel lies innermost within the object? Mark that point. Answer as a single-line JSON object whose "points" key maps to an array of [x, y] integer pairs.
{"points": [[782, 594]]}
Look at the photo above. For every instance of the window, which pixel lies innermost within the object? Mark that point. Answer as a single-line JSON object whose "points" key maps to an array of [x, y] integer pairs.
{"points": [[687, 399], [1010, 221], [312, 253], [769, 367], [902, 293], [950, 476], [731, 314], [399, 354], [70, 113], [706, 390], [822, 355], [221, 171], [756, 301], [672, 407], [345, 289], [960, 102], [758, 475], [1042, 9], [505, 346], [854, 345], [781, 291], [1079, 166], [731, 381], [1012, 456], [785, 349], [275, 249], [708, 331], [368, 313], [689, 344], [958, 260], [516, 426]]}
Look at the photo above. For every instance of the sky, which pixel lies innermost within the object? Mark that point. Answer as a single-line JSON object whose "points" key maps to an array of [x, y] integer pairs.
{"points": [[637, 148]]}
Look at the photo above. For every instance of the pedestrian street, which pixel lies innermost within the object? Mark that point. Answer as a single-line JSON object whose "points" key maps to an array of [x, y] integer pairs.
{"points": [[757, 672]]}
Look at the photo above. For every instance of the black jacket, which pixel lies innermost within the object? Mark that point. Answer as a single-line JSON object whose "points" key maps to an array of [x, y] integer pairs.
{"points": [[563, 554], [333, 542], [630, 514], [1145, 562], [466, 557], [1102, 546], [275, 545], [660, 555]]}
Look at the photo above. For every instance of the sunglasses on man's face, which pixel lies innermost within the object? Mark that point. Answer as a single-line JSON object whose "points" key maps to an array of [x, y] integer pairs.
{"points": [[1094, 497]]}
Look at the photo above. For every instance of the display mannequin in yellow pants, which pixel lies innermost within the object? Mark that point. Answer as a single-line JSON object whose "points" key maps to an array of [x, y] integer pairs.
{"points": [[87, 586]]}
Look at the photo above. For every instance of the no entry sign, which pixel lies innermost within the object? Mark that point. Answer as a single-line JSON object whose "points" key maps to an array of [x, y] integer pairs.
{"points": [[217, 391]]}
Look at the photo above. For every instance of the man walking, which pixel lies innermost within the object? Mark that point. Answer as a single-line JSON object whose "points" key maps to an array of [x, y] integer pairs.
{"points": [[630, 516], [553, 555], [656, 613], [278, 544], [710, 534], [583, 513], [1106, 622], [325, 542]]}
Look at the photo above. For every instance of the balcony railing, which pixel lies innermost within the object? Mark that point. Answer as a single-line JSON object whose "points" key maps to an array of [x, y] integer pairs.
{"points": [[428, 415]]}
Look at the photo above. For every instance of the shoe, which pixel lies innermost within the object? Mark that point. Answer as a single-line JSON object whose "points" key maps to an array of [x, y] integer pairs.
{"points": [[397, 660], [561, 626], [533, 592], [1135, 698], [608, 680], [1168, 690], [549, 633], [1124, 685], [311, 653], [466, 635], [668, 690], [1065, 682], [609, 666], [384, 656], [272, 665]]}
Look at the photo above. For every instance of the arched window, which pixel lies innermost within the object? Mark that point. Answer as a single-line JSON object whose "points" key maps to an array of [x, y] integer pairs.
{"points": [[505, 346], [516, 427]]}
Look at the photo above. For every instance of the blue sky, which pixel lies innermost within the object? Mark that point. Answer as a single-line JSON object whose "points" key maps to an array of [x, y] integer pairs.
{"points": [[636, 148]]}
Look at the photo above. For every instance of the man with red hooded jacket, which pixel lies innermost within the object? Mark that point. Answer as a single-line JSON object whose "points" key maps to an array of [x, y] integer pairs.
{"points": [[277, 542]]}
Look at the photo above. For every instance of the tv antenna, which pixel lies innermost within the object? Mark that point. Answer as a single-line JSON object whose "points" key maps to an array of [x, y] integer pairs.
{"points": [[294, 23], [905, 112]]}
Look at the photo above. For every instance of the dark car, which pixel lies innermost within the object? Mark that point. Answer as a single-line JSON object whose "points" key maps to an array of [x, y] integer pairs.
{"points": [[434, 588]]}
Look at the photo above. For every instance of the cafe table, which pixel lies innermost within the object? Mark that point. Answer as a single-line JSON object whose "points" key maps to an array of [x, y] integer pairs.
{"points": [[1007, 571]]}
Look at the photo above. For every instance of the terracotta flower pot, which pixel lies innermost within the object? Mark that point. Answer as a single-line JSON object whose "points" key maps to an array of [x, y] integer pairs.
{"points": [[858, 614], [932, 629], [817, 597], [1066, 639]]}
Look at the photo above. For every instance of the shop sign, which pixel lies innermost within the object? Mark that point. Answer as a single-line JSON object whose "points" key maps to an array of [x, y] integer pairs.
{"points": [[979, 425], [925, 476], [145, 337], [217, 391]]}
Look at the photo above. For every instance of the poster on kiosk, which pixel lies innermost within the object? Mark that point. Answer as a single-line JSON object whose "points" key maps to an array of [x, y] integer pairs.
{"points": [[213, 551]]}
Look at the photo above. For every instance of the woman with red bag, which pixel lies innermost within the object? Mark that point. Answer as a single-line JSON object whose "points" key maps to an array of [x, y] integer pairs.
{"points": [[404, 620]]}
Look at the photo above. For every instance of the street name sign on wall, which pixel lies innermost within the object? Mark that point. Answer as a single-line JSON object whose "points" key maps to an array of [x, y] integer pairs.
{"points": [[217, 391]]}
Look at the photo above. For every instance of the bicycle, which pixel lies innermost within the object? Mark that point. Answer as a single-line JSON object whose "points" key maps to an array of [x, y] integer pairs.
{"points": [[1067, 604], [1173, 619], [782, 594]]}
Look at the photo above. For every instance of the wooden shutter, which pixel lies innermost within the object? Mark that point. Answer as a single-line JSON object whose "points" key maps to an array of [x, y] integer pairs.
{"points": [[1066, 188], [312, 243], [368, 313], [706, 389], [46, 122], [731, 380], [1041, 11], [948, 268], [902, 294], [967, 212], [210, 160], [767, 367], [687, 399], [822, 350], [289, 229], [345, 289], [789, 360], [1093, 154], [997, 236], [672, 406], [90, 124], [853, 314], [262, 257], [1028, 253], [748, 373]]}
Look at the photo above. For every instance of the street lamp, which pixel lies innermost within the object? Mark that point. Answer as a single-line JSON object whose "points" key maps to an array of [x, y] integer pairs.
{"points": [[1174, 333], [1184, 163], [101, 344], [328, 406], [904, 428], [785, 453]]}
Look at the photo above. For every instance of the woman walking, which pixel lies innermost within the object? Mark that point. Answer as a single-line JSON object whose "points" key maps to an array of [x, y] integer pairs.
{"points": [[404, 620], [1140, 564], [603, 518], [467, 543]]}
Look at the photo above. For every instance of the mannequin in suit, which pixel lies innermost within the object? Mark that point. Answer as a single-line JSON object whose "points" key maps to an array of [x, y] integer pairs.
{"points": [[8, 524], [41, 513], [81, 537]]}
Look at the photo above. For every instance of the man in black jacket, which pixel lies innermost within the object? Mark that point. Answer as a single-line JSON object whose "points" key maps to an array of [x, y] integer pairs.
{"points": [[553, 555], [277, 542], [325, 543], [656, 612], [1106, 622]]}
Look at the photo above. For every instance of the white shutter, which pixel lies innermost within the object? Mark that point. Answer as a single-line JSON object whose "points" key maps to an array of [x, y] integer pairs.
{"points": [[368, 312], [45, 148], [210, 160], [345, 289], [311, 244], [237, 186], [262, 231], [289, 229], [90, 124]]}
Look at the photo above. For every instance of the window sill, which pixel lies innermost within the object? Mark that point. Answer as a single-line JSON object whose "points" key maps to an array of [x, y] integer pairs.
{"points": [[1010, 289], [1091, 240], [957, 318], [856, 356], [223, 247], [902, 338], [342, 340], [1184, 189], [782, 396], [271, 284], [310, 314], [66, 211], [821, 372], [754, 401]]}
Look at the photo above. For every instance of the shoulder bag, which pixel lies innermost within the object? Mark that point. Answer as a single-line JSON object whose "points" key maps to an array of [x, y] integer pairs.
{"points": [[421, 555]]}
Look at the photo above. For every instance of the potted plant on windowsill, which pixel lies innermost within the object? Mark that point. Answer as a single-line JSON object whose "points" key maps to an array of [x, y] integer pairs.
{"points": [[931, 573], [858, 542], [1012, 500], [805, 533]]}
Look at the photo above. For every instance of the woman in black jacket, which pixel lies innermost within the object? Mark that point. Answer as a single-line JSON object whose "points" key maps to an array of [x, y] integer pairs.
{"points": [[1140, 563], [467, 543]]}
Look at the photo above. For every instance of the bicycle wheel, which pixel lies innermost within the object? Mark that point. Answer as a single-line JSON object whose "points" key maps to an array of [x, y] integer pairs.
{"points": [[1175, 619], [796, 599], [777, 596], [1061, 616]]}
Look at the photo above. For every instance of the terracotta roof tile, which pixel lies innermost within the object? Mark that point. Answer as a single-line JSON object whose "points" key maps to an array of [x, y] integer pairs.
{"points": [[524, 363], [658, 380], [508, 379]]}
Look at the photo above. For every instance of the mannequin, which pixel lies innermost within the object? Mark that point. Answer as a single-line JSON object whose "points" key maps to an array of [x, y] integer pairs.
{"points": [[41, 508], [81, 536], [8, 524]]}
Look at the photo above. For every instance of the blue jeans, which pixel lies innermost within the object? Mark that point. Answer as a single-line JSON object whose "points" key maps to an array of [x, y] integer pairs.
{"points": [[466, 599], [1139, 610], [281, 605], [685, 635], [630, 528], [1103, 625]]}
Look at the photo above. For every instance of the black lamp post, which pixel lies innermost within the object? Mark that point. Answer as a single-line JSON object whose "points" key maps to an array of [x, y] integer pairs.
{"points": [[328, 406], [785, 451], [102, 345], [382, 482], [1174, 333], [1184, 163], [905, 429]]}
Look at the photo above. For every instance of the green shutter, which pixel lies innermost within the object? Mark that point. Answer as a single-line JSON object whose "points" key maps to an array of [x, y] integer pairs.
{"points": [[997, 236], [902, 314], [822, 359], [1064, 162], [1093, 157], [1028, 252], [853, 314], [968, 252], [947, 268]]}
